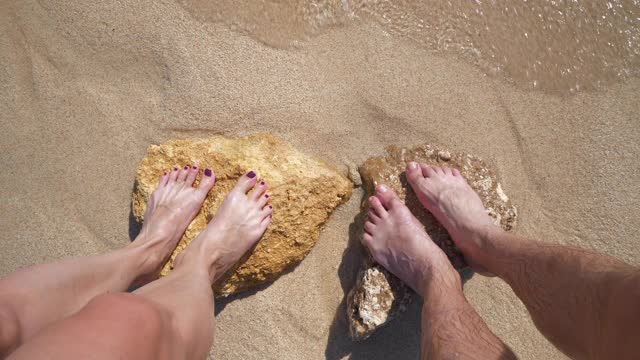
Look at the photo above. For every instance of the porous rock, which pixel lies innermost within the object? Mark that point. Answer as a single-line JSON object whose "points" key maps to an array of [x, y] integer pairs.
{"points": [[378, 296], [303, 192]]}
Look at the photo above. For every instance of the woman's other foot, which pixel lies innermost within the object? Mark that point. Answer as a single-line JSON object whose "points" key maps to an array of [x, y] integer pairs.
{"points": [[170, 209], [397, 241], [237, 225], [446, 194]]}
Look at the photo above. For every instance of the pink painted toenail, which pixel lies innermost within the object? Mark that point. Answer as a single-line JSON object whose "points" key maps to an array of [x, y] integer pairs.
{"points": [[251, 174], [207, 172]]}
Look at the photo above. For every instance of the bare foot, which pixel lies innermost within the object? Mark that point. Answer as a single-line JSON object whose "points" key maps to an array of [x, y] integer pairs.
{"points": [[237, 225], [170, 209], [446, 194], [397, 241]]}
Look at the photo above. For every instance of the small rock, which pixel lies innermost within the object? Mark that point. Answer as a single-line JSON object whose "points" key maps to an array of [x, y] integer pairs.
{"points": [[444, 155], [353, 174]]}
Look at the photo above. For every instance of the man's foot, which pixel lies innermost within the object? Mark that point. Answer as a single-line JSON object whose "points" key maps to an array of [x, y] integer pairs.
{"points": [[237, 225], [446, 194], [170, 209], [397, 241]]}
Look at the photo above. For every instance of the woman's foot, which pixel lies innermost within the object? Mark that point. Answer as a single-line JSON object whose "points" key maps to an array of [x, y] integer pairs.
{"points": [[446, 194], [170, 209], [237, 225], [397, 241]]}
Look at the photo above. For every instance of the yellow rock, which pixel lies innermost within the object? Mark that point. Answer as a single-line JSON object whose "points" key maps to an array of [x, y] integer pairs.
{"points": [[303, 192]]}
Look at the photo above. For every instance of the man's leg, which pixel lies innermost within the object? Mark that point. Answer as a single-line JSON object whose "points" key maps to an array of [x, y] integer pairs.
{"points": [[587, 304], [450, 326], [172, 317], [35, 297]]}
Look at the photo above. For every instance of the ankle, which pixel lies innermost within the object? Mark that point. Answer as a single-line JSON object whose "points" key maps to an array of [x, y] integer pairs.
{"points": [[196, 259]]}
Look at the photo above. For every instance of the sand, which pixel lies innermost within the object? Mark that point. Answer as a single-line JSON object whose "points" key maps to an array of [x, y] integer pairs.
{"points": [[86, 87]]}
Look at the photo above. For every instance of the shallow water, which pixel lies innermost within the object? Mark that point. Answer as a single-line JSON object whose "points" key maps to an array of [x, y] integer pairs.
{"points": [[554, 46]]}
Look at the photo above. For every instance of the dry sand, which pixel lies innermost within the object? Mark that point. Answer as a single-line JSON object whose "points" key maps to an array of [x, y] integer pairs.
{"points": [[87, 86]]}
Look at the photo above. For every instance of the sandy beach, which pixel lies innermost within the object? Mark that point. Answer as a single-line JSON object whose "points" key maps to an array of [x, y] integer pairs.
{"points": [[86, 87]]}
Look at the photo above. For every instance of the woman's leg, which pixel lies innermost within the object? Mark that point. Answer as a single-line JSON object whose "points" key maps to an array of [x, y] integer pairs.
{"points": [[32, 298], [171, 317]]}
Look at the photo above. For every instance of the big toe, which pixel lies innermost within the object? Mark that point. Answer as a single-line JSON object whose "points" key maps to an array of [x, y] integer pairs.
{"points": [[207, 181], [414, 173], [387, 196], [246, 182]]}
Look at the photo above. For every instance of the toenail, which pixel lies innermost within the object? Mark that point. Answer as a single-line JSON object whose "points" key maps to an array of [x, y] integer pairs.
{"points": [[382, 188], [266, 195], [165, 173], [207, 172], [194, 167], [186, 167], [262, 183], [270, 207], [175, 169], [413, 165], [251, 174]]}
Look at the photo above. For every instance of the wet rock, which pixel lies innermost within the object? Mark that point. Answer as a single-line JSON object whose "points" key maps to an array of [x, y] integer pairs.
{"points": [[368, 305], [304, 192], [353, 174]]}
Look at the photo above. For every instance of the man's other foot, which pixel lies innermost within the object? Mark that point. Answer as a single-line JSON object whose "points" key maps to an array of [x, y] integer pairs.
{"points": [[397, 241], [446, 194], [170, 209], [237, 225]]}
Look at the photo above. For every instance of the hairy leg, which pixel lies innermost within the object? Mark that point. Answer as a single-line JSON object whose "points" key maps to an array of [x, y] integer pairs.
{"points": [[172, 317], [450, 326], [585, 303], [33, 298]]}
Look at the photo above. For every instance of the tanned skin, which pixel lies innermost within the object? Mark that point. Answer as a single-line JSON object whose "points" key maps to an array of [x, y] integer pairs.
{"points": [[587, 304]]}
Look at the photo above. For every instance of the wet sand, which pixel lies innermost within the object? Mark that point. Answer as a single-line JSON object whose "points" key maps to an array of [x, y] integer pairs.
{"points": [[87, 87]]}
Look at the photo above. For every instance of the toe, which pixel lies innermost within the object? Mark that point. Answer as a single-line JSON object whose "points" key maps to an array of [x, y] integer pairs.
{"points": [[163, 179], [446, 170], [373, 217], [191, 175], [207, 181], [367, 239], [369, 227], [246, 182], [387, 196], [259, 190], [455, 172], [263, 200], [414, 173], [267, 214], [183, 173], [376, 206], [174, 175], [427, 170]]}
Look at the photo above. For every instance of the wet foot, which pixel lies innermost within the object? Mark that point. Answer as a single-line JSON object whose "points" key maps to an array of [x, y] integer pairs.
{"points": [[446, 194], [170, 209], [397, 241], [237, 225]]}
